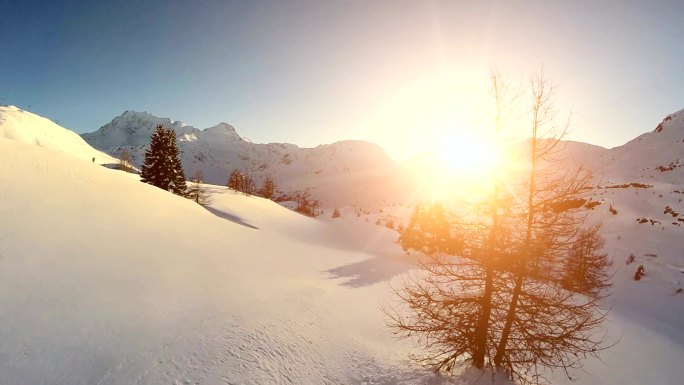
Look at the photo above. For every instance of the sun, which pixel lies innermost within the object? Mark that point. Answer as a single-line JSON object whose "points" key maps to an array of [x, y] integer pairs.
{"points": [[461, 166], [467, 155]]}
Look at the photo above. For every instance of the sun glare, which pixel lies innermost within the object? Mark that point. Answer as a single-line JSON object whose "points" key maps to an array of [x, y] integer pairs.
{"points": [[462, 166], [467, 155]]}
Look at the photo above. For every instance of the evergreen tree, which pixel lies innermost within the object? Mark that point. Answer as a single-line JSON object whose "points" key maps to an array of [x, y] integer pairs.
{"points": [[177, 184], [161, 166], [155, 170]]}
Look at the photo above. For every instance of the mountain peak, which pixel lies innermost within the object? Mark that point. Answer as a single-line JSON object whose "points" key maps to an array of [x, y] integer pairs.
{"points": [[134, 129], [224, 129]]}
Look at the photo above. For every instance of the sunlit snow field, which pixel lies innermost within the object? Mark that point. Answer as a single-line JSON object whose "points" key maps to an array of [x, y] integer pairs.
{"points": [[106, 280]]}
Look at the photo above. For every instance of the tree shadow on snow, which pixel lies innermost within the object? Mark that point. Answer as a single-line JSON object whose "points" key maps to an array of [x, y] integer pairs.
{"points": [[230, 217], [371, 271]]}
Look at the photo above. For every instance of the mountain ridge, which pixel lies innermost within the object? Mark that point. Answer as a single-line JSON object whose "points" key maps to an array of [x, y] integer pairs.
{"points": [[345, 172], [337, 174]]}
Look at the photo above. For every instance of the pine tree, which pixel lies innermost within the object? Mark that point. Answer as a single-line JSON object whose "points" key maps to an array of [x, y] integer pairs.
{"points": [[177, 185], [155, 170], [161, 166]]}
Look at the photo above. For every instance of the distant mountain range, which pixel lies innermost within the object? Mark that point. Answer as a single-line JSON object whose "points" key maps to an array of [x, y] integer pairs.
{"points": [[361, 173], [338, 174]]}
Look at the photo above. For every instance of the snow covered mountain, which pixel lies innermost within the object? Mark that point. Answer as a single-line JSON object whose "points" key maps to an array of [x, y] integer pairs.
{"points": [[338, 174]]}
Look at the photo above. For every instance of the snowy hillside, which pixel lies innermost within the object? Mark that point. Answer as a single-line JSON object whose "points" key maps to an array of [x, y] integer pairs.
{"points": [[339, 174], [640, 188], [17, 124], [106, 280], [656, 156]]}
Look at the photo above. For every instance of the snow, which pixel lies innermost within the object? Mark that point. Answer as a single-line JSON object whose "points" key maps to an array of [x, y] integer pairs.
{"points": [[108, 280], [105, 280], [23, 126]]}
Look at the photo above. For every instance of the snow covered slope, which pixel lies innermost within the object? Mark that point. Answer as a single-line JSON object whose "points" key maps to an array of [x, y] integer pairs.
{"points": [[338, 174], [17, 124], [106, 280], [656, 156], [643, 182]]}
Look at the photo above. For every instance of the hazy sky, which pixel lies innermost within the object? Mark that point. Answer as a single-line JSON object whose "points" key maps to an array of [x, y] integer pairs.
{"points": [[401, 74]]}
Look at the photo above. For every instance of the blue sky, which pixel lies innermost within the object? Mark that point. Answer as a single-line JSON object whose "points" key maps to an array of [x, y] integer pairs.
{"points": [[401, 74]]}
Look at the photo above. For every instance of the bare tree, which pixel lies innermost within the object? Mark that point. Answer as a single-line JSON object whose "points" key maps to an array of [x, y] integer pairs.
{"points": [[546, 326], [430, 231], [235, 180], [241, 182], [125, 161], [305, 203], [586, 267], [268, 189], [196, 191], [500, 303], [449, 306]]}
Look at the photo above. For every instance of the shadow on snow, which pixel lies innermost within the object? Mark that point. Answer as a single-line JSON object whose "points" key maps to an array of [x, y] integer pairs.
{"points": [[230, 217], [370, 271]]}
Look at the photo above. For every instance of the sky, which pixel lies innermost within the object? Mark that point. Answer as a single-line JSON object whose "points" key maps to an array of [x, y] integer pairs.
{"points": [[404, 74]]}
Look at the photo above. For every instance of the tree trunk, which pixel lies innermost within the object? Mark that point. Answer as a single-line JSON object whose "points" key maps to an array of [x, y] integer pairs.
{"points": [[522, 257]]}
